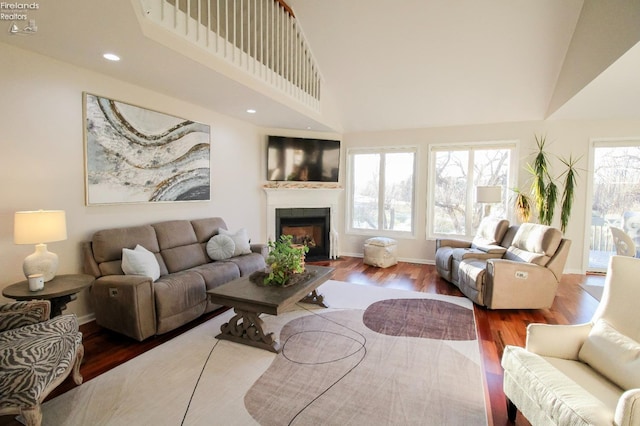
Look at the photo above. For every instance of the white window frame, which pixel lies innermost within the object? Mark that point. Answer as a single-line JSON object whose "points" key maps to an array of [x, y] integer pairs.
{"points": [[593, 144], [512, 179], [351, 152]]}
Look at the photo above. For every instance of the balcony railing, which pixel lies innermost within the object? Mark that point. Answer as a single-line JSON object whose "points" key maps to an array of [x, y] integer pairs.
{"points": [[261, 37]]}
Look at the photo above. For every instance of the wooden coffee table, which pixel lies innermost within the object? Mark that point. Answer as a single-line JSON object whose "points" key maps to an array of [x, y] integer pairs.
{"points": [[249, 300]]}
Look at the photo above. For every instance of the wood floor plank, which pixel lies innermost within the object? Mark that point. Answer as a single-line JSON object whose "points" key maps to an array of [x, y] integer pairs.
{"points": [[105, 350]]}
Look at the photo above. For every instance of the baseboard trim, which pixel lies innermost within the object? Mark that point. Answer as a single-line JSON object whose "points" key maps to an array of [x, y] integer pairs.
{"points": [[401, 259], [86, 318]]}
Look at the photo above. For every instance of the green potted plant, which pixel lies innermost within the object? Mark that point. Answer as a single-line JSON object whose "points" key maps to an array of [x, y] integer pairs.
{"points": [[544, 189], [284, 261]]}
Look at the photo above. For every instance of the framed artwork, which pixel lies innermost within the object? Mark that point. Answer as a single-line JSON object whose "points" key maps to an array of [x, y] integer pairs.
{"points": [[136, 155]]}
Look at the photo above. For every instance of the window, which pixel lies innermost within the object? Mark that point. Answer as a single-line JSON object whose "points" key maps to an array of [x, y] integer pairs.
{"points": [[455, 172], [615, 196], [381, 185]]}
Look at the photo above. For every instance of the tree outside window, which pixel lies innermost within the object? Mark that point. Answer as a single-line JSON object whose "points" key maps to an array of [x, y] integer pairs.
{"points": [[456, 172], [382, 188], [615, 197]]}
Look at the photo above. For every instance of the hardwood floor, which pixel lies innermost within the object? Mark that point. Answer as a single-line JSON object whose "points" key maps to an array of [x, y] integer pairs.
{"points": [[105, 350]]}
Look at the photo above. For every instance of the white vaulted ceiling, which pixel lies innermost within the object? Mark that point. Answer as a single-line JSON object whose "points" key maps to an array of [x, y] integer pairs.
{"points": [[385, 64]]}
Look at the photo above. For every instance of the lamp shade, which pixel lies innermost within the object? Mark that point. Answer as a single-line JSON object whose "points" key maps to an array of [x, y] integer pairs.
{"points": [[488, 194], [41, 226]]}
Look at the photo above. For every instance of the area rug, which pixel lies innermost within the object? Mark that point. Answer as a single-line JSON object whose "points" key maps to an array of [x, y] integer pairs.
{"points": [[376, 356], [593, 290]]}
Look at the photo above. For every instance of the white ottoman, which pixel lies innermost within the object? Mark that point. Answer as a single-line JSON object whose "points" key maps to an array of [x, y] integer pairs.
{"points": [[381, 252]]}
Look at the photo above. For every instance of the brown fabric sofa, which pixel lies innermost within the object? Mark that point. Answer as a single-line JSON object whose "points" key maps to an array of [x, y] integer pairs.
{"points": [[139, 307]]}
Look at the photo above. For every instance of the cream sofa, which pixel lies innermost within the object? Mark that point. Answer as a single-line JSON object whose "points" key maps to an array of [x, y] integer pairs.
{"points": [[141, 306], [584, 374], [526, 276]]}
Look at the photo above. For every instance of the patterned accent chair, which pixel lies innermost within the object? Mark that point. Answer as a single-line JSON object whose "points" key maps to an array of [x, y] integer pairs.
{"points": [[36, 355]]}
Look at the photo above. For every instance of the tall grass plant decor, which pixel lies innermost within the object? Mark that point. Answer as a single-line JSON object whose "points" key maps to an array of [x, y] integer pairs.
{"points": [[544, 189]]}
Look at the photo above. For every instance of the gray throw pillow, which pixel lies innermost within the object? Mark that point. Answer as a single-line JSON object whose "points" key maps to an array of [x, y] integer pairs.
{"points": [[240, 239], [220, 247]]}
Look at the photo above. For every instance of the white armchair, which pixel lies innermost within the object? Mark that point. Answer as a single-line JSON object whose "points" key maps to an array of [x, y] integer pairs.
{"points": [[585, 374]]}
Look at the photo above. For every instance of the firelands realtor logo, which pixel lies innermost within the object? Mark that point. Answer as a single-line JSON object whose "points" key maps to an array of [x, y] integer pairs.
{"points": [[19, 15]]}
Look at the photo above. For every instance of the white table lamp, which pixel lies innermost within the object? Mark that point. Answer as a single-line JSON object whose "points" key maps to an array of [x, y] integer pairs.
{"points": [[40, 227], [488, 195]]}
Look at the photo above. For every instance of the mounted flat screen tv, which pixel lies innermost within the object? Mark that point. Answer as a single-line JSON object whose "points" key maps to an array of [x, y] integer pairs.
{"points": [[302, 159]]}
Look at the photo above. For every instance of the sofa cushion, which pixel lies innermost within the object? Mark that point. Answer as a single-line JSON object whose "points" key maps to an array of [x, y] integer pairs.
{"points": [[534, 243], [178, 293], [140, 261], [107, 244], [248, 263], [207, 228], [492, 252], [185, 257], [217, 273], [490, 232], [240, 239], [174, 233], [220, 247], [613, 355]]}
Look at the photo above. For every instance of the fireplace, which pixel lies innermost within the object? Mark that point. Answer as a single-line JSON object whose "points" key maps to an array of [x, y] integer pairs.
{"points": [[308, 226]]}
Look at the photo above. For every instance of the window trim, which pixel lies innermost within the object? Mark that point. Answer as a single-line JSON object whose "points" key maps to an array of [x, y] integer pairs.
{"points": [[351, 152], [598, 142], [512, 179]]}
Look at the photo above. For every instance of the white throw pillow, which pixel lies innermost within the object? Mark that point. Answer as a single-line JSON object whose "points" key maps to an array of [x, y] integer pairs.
{"points": [[613, 355], [240, 239], [140, 261], [220, 247]]}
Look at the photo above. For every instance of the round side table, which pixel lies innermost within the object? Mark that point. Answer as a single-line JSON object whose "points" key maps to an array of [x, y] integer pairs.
{"points": [[61, 290]]}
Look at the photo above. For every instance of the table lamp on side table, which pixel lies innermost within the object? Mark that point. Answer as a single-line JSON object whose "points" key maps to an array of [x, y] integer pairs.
{"points": [[40, 227]]}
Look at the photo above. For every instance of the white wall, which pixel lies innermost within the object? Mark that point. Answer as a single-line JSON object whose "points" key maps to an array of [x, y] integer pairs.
{"points": [[42, 160], [564, 138], [42, 163]]}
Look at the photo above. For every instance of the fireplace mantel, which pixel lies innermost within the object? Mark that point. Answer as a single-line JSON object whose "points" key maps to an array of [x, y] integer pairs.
{"points": [[292, 197], [311, 197]]}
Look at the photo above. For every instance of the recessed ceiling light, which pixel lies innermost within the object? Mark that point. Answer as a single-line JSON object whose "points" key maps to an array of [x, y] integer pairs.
{"points": [[111, 57], [251, 111]]}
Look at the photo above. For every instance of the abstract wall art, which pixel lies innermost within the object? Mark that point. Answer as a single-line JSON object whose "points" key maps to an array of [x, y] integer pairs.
{"points": [[136, 155]]}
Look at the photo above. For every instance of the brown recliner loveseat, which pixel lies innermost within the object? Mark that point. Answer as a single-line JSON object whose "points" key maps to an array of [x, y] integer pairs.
{"points": [[525, 277], [485, 245], [139, 306]]}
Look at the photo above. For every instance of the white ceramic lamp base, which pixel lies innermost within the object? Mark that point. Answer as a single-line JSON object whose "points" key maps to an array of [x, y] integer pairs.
{"points": [[42, 262]]}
